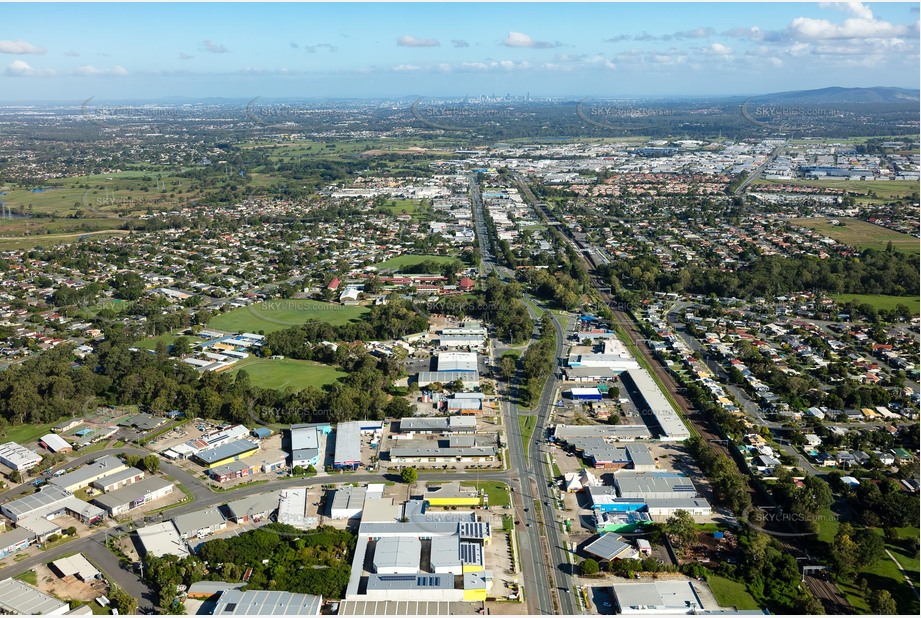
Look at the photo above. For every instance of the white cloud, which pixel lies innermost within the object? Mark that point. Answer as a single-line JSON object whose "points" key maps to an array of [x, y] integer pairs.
{"points": [[854, 7], [519, 39], [312, 49], [214, 48], [696, 33], [718, 49], [21, 68], [20, 47], [72, 54], [459, 43], [411, 41], [185, 56], [89, 70], [406, 68]]}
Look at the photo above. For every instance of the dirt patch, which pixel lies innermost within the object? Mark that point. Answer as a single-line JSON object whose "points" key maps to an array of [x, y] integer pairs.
{"points": [[75, 589]]}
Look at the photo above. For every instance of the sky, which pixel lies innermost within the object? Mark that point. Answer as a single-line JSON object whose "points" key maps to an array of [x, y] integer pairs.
{"points": [[70, 52]]}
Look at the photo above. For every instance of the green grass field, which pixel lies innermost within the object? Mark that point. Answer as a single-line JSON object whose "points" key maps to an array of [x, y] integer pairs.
{"points": [[526, 424], [861, 234], [151, 342], [9, 243], [497, 491], [731, 594], [132, 191], [885, 574], [283, 373], [879, 301], [29, 577], [281, 314], [403, 206], [403, 261], [25, 433], [886, 189]]}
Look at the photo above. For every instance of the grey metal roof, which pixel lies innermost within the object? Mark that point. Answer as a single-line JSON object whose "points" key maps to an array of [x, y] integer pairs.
{"points": [[231, 449], [348, 497], [410, 582], [117, 477], [304, 437], [638, 485], [445, 552], [260, 504], [607, 546], [640, 455], [90, 472], [446, 377], [348, 443], [198, 520], [17, 597], [130, 493], [665, 414], [14, 537], [476, 451], [397, 552], [624, 432], [46, 497], [266, 603], [233, 466]]}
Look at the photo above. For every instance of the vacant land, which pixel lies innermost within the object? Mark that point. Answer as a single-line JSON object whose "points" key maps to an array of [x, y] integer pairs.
{"points": [[497, 491], [8, 243], [102, 194], [409, 260], [280, 314], [283, 373], [861, 234], [731, 594], [880, 302], [887, 189], [24, 433]]}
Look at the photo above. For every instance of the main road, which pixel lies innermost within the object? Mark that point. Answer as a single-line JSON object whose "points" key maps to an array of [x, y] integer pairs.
{"points": [[547, 575]]}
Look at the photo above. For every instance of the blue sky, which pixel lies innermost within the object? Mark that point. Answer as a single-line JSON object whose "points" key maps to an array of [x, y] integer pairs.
{"points": [[146, 51]]}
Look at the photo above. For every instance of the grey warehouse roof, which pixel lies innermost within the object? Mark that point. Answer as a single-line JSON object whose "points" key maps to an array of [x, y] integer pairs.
{"points": [[266, 603]]}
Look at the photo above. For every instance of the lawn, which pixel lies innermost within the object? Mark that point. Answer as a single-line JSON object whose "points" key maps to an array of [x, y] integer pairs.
{"points": [[282, 373], [151, 342], [29, 577], [280, 314], [403, 261], [497, 491], [399, 206], [526, 424], [886, 574], [25, 433], [880, 302], [731, 594], [861, 234]]}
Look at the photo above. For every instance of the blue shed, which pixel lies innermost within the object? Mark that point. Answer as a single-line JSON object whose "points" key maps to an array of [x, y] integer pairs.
{"points": [[261, 432]]}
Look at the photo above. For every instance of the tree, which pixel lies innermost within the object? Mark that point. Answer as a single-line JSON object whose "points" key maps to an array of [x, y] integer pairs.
{"points": [[589, 567], [845, 552], [126, 604], [681, 529], [882, 603], [409, 475], [181, 347], [151, 464]]}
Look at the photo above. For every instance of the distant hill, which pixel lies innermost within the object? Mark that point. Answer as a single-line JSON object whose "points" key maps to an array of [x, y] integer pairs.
{"points": [[838, 95]]}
